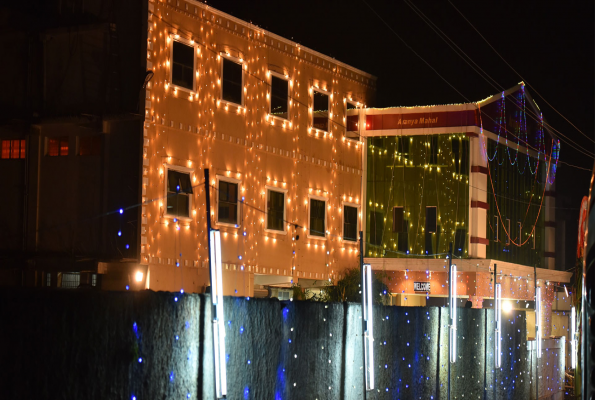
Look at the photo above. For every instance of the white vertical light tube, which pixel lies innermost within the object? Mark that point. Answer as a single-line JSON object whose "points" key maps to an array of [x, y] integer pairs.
{"points": [[369, 333], [538, 320], [498, 335], [453, 313], [573, 337], [218, 319]]}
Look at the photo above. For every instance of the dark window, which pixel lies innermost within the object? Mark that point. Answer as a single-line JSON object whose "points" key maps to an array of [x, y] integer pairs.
{"points": [[275, 208], [90, 145], [320, 114], [398, 219], [460, 239], [228, 202], [58, 146], [317, 218], [352, 120], [279, 97], [232, 81], [350, 223], [434, 149], [13, 149], [179, 190], [431, 219], [183, 66], [465, 158], [403, 145], [378, 142], [376, 228], [403, 238], [456, 153]]}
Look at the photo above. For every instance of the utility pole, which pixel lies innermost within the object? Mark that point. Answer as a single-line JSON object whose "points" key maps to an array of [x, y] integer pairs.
{"points": [[449, 308]]}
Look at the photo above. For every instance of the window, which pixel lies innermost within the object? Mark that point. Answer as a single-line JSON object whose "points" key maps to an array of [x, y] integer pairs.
{"points": [[179, 193], [48, 279], [460, 239], [465, 158], [398, 219], [403, 145], [90, 145], [232, 81], [13, 149], [349, 223], [283, 295], [279, 97], [58, 146], [275, 210], [320, 112], [496, 229], [434, 149], [431, 220], [317, 217], [228, 206], [70, 280], [182, 71], [376, 228], [456, 153], [352, 119]]}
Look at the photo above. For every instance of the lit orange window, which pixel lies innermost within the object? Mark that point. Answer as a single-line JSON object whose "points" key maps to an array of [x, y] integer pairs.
{"points": [[14, 149], [58, 146]]}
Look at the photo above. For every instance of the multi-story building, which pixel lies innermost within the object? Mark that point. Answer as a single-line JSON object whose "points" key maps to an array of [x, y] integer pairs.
{"points": [[267, 118], [70, 137], [477, 176]]}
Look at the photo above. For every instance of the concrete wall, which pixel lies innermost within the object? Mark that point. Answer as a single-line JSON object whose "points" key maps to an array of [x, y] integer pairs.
{"points": [[83, 344]]}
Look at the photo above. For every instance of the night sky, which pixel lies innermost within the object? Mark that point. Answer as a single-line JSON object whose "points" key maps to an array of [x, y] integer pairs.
{"points": [[550, 44]]}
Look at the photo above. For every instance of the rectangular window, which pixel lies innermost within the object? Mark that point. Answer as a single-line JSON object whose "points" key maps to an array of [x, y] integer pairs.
{"points": [[48, 279], [179, 192], [90, 145], [496, 229], [317, 217], [403, 238], [460, 239], [275, 210], [403, 145], [376, 228], [431, 219], [58, 146], [14, 149], [434, 149], [352, 119], [182, 72], [508, 231], [228, 202], [350, 223], [232, 81], [456, 154], [465, 158], [279, 97], [398, 219], [320, 112]]}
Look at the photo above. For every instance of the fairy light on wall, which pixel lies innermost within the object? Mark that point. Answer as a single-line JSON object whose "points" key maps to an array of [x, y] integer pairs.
{"points": [[218, 318], [369, 319]]}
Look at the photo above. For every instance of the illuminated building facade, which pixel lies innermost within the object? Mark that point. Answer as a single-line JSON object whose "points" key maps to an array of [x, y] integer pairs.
{"points": [[478, 175], [268, 119]]}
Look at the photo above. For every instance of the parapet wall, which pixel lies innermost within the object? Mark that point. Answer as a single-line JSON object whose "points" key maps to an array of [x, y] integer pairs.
{"points": [[100, 345]]}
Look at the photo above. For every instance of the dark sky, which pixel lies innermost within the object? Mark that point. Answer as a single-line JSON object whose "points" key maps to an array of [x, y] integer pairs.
{"points": [[550, 44]]}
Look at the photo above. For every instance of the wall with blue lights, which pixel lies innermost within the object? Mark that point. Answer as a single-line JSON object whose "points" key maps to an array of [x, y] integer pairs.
{"points": [[147, 345]]}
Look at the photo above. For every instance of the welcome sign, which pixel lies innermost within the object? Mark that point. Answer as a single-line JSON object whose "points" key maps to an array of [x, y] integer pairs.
{"points": [[421, 286]]}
